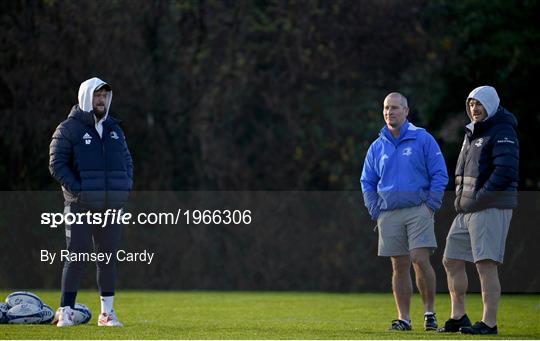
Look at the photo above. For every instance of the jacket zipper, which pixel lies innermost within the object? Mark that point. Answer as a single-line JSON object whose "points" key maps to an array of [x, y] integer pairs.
{"points": [[104, 155], [466, 161]]}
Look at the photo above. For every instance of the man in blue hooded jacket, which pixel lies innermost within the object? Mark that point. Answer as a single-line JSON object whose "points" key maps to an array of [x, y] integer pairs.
{"points": [[403, 182], [89, 157], [486, 193]]}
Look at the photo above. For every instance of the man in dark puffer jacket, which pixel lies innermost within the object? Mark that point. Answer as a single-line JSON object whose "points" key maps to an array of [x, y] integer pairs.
{"points": [[89, 157], [486, 193]]}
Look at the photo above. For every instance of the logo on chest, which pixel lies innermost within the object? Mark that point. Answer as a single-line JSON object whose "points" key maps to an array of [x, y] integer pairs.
{"points": [[479, 142], [114, 135], [506, 140], [87, 138], [407, 151]]}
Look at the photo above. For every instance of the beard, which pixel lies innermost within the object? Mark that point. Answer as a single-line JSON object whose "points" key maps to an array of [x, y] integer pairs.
{"points": [[99, 113]]}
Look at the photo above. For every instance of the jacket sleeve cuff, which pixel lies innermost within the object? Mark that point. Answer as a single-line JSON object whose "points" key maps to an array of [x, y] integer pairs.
{"points": [[375, 213], [74, 188]]}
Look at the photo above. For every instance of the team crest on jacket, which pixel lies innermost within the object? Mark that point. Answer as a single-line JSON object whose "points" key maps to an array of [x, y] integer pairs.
{"points": [[407, 151], [114, 135], [87, 138], [479, 142]]}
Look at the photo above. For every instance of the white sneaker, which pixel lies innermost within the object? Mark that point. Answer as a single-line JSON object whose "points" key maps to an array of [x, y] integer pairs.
{"points": [[109, 320], [63, 317]]}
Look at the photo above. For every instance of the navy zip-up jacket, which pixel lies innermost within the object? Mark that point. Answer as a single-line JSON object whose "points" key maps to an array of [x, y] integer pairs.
{"points": [[487, 167], [95, 172]]}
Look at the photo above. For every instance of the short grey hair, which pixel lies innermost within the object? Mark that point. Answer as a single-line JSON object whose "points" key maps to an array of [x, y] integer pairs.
{"points": [[402, 99]]}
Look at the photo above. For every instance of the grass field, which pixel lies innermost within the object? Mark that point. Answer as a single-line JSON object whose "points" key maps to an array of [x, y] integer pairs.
{"points": [[270, 315]]}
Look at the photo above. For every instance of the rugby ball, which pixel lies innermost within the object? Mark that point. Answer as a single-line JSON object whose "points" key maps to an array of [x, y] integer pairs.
{"points": [[20, 297], [3, 311], [24, 313], [47, 314], [81, 314]]}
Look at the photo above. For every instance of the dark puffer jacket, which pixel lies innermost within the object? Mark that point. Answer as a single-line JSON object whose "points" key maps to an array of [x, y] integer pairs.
{"points": [[95, 173], [487, 167]]}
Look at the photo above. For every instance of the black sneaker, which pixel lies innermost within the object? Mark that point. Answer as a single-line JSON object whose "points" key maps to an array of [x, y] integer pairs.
{"points": [[430, 322], [400, 325], [452, 326], [479, 328]]}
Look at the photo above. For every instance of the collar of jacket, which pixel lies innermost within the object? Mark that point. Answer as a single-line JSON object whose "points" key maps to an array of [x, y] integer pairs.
{"points": [[478, 127], [407, 132], [87, 118]]}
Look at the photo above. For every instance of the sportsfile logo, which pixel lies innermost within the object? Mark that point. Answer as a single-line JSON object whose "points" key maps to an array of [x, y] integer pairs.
{"points": [[110, 216]]}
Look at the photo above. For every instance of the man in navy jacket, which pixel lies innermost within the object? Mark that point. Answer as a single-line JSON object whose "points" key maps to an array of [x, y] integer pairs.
{"points": [[486, 193], [89, 157], [403, 182]]}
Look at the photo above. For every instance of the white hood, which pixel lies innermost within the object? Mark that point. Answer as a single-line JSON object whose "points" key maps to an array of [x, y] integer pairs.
{"points": [[86, 94], [486, 95]]}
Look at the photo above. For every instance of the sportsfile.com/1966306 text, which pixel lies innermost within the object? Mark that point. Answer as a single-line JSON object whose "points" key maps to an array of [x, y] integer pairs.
{"points": [[181, 216]]}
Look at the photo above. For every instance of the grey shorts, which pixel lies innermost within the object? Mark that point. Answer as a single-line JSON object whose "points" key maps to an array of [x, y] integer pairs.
{"points": [[479, 236], [405, 229]]}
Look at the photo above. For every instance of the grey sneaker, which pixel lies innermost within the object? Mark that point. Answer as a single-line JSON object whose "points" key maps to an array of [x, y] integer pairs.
{"points": [[430, 322], [400, 325]]}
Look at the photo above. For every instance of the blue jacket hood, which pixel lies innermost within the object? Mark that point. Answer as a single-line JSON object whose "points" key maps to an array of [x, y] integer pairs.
{"points": [[405, 129]]}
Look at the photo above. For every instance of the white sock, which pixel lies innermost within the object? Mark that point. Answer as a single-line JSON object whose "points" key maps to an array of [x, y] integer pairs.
{"points": [[107, 304], [429, 313]]}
